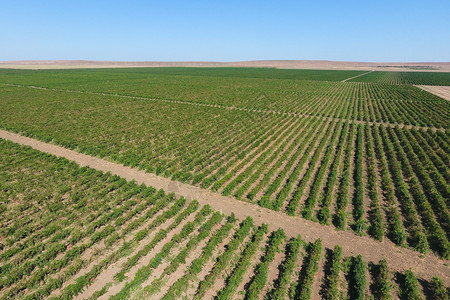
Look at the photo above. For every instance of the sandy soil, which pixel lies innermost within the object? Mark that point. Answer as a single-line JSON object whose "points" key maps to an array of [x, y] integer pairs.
{"points": [[441, 91], [220, 280], [319, 277], [281, 64], [107, 274], [208, 266], [399, 259], [171, 278], [256, 259], [273, 272]]}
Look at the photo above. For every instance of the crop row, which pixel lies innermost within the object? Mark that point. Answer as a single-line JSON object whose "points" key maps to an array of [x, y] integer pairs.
{"points": [[53, 77], [129, 241], [420, 78], [373, 102], [300, 165]]}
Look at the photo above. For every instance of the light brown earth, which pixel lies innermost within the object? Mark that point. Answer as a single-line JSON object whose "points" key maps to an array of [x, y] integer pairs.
{"points": [[220, 280], [280, 64], [107, 276], [399, 259], [207, 268], [441, 91], [171, 278]]}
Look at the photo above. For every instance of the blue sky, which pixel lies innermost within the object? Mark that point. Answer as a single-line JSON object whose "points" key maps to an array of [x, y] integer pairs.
{"points": [[225, 30]]}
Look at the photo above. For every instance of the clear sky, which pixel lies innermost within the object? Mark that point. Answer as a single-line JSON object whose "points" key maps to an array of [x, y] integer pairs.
{"points": [[225, 30]]}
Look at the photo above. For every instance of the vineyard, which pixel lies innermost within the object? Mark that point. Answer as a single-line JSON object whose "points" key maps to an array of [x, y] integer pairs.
{"points": [[338, 153], [73, 232], [373, 102], [418, 78], [51, 77], [361, 153]]}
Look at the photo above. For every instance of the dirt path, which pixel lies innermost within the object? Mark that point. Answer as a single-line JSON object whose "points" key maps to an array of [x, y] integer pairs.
{"points": [[263, 111], [399, 259], [441, 91], [345, 80]]}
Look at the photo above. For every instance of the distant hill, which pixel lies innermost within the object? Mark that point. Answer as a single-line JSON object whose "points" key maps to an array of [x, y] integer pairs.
{"points": [[282, 64]]}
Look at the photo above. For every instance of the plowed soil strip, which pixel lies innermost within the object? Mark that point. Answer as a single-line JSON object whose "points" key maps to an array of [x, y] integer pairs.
{"points": [[399, 259]]}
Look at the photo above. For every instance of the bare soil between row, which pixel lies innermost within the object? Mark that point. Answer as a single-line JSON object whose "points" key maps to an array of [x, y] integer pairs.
{"points": [[398, 258]]}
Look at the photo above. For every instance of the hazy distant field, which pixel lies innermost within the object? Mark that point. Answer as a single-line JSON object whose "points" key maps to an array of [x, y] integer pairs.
{"points": [[370, 155], [280, 64]]}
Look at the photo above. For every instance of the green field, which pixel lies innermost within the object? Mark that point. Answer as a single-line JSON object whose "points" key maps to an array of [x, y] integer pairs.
{"points": [[374, 102], [372, 179], [419, 78], [67, 225], [371, 157], [54, 76]]}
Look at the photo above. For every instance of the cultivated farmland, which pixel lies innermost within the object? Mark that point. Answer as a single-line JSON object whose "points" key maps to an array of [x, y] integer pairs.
{"points": [[369, 155], [83, 233], [425, 78]]}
